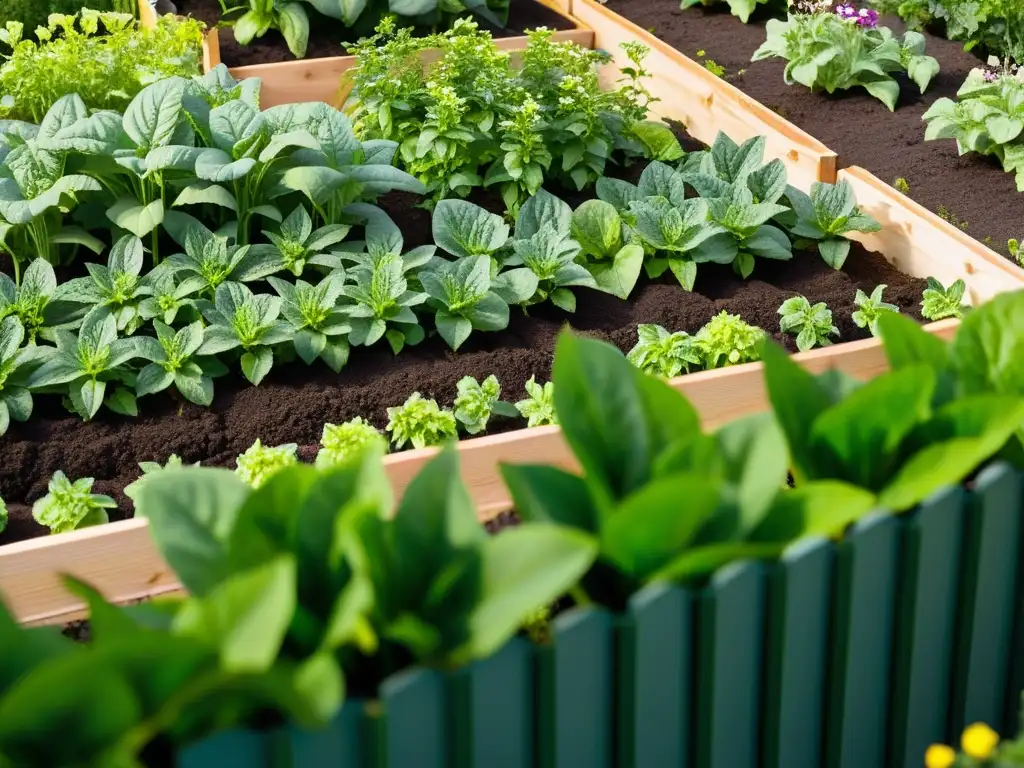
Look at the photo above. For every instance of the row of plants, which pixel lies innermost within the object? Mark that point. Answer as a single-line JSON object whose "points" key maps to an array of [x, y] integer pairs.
{"points": [[33, 14], [348, 593]]}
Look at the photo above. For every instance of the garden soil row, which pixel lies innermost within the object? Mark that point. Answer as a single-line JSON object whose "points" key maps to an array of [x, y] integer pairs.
{"points": [[294, 402], [327, 36], [971, 191]]}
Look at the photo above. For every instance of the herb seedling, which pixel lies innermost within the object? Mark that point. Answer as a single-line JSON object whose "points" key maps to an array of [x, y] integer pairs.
{"points": [[870, 308], [320, 326], [811, 324], [261, 462], [902, 186], [539, 407], [340, 443], [69, 505], [1013, 246], [462, 295], [173, 355], [728, 340], [116, 287], [297, 245], [665, 354], [214, 261], [827, 216], [476, 402], [171, 293], [151, 468], [239, 319], [383, 304], [421, 422], [938, 303], [263, 15]]}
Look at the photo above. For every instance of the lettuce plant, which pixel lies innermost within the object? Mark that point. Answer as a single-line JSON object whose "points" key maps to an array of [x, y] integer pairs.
{"points": [[826, 217], [289, 18], [987, 117], [261, 462], [117, 287], [238, 319], [297, 245], [16, 365], [476, 402], [665, 354], [69, 505], [318, 324], [173, 361], [844, 48], [870, 308], [462, 294], [811, 324], [1014, 247], [938, 303], [83, 366], [539, 406], [421, 422], [341, 443], [727, 340]]}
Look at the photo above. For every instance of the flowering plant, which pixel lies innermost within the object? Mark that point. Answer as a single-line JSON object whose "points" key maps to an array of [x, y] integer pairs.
{"points": [[468, 118], [980, 746], [988, 117], [846, 48]]}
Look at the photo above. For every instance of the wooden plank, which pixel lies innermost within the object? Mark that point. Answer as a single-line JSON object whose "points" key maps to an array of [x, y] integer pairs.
{"points": [[655, 679], [575, 692], [492, 710], [730, 644], [988, 592], [920, 244], [704, 103], [796, 662], [414, 720], [867, 568], [926, 624]]}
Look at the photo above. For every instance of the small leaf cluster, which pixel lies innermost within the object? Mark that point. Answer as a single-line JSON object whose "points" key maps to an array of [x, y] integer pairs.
{"points": [[833, 50], [70, 505], [870, 308], [421, 423], [810, 323], [289, 18], [261, 462], [341, 443], [539, 406], [939, 303], [477, 401]]}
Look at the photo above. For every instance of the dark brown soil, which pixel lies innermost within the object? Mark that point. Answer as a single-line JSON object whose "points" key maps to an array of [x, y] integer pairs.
{"points": [[972, 190], [327, 37]]}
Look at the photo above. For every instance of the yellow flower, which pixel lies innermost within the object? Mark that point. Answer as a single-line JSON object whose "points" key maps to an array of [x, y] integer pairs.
{"points": [[979, 740], [939, 756]]}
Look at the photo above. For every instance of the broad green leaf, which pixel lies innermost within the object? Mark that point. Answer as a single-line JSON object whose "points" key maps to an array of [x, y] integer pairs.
{"points": [[619, 276], [540, 210], [597, 227], [548, 494], [464, 229], [702, 561], [152, 116], [131, 215], [818, 508]]}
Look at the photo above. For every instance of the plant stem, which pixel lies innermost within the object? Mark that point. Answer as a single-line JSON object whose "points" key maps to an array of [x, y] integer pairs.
{"points": [[580, 597]]}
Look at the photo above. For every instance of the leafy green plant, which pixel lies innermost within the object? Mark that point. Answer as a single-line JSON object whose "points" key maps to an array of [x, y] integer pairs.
{"points": [[987, 117], [826, 217], [421, 422], [238, 319], [83, 366], [728, 340], [476, 402], [289, 18], [117, 287], [16, 365], [383, 303], [1013, 246], [173, 361], [539, 406], [464, 299], [467, 118], [152, 468], [70, 505], [845, 48], [4, 515], [37, 302], [811, 324], [665, 354], [341, 443], [171, 290], [598, 228], [870, 308], [319, 326], [939, 303], [103, 57], [739, 8], [261, 462], [297, 245], [214, 261]]}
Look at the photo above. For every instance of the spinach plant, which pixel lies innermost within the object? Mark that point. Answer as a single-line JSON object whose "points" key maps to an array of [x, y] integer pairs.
{"points": [[171, 291], [70, 505], [939, 303], [844, 48], [477, 401], [209, 261], [174, 361], [289, 18], [297, 245], [660, 353], [613, 263], [117, 287], [421, 422], [38, 302], [826, 217], [462, 294], [319, 325], [383, 304], [238, 319], [261, 462], [812, 324], [871, 308], [16, 364], [539, 406], [342, 443]]}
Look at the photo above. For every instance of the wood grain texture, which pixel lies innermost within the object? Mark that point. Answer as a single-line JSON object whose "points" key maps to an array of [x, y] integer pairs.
{"points": [[704, 103]]}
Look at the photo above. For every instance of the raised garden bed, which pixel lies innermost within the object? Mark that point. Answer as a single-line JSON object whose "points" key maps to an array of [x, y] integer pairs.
{"points": [[972, 191]]}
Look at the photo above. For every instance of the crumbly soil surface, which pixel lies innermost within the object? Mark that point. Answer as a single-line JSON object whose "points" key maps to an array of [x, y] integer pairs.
{"points": [[327, 36], [973, 191]]}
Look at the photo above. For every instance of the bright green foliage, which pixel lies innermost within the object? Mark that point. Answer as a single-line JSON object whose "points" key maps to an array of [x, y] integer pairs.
{"points": [[598, 227], [1013, 246], [261, 462], [987, 117], [826, 217], [727, 340], [69, 505], [824, 51], [171, 291], [297, 245], [173, 357], [421, 422], [469, 118], [476, 403], [539, 407], [320, 326], [210, 261], [462, 294], [289, 18], [117, 287], [83, 366], [151, 468], [665, 354], [4, 516], [238, 319], [16, 365], [106, 58], [37, 302], [870, 308], [811, 324], [739, 8], [938, 303], [341, 443]]}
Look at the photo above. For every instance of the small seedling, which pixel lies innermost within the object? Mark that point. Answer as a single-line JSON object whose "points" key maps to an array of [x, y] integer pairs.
{"points": [[947, 215], [1013, 246], [539, 408], [870, 308], [261, 462], [811, 324], [939, 303], [902, 186]]}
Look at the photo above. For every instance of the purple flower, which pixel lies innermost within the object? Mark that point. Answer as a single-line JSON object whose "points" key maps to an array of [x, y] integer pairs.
{"points": [[846, 12], [867, 18], [991, 76]]}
